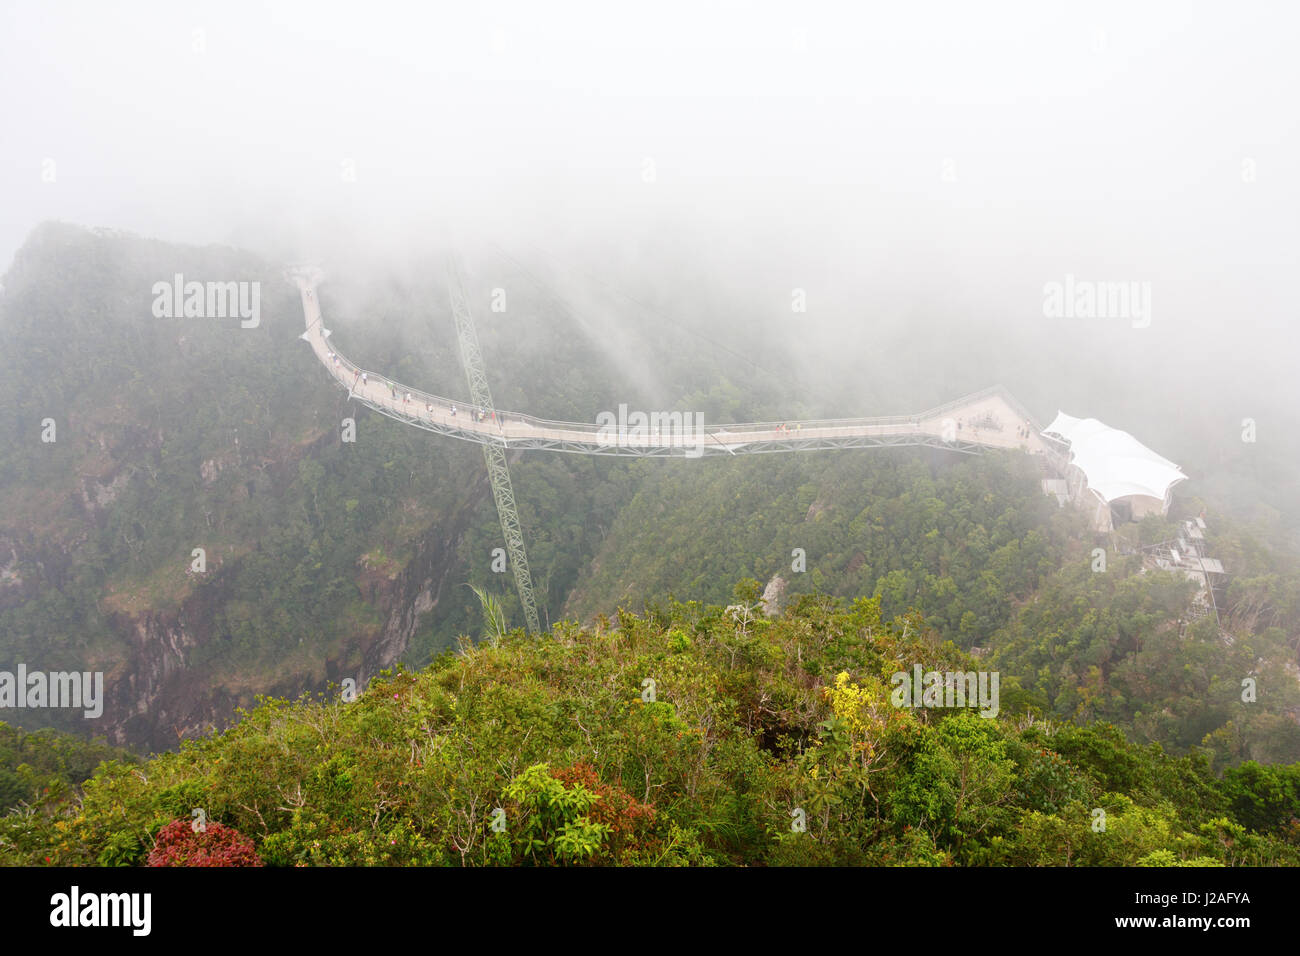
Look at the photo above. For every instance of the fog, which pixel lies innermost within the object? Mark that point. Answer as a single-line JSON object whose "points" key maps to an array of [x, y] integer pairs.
{"points": [[912, 168]]}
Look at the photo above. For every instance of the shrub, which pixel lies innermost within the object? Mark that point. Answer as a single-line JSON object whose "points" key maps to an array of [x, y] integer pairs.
{"points": [[179, 844]]}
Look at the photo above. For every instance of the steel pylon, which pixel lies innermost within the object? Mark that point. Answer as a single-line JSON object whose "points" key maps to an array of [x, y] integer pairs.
{"points": [[494, 453]]}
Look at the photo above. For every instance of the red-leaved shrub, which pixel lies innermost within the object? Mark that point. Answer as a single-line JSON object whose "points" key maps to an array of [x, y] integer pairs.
{"points": [[216, 845]]}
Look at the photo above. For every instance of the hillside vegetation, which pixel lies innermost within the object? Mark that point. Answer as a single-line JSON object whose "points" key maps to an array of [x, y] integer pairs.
{"points": [[759, 743]]}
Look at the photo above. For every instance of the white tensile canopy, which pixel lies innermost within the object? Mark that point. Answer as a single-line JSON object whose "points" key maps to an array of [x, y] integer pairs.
{"points": [[1116, 464]]}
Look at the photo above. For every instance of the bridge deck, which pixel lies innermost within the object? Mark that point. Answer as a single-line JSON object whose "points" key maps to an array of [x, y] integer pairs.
{"points": [[987, 419]]}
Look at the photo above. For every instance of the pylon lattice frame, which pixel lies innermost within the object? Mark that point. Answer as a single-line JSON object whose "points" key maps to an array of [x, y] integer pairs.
{"points": [[494, 454]]}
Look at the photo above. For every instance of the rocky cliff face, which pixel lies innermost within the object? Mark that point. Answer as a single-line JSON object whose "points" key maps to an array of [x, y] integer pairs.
{"points": [[418, 588], [157, 696]]}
